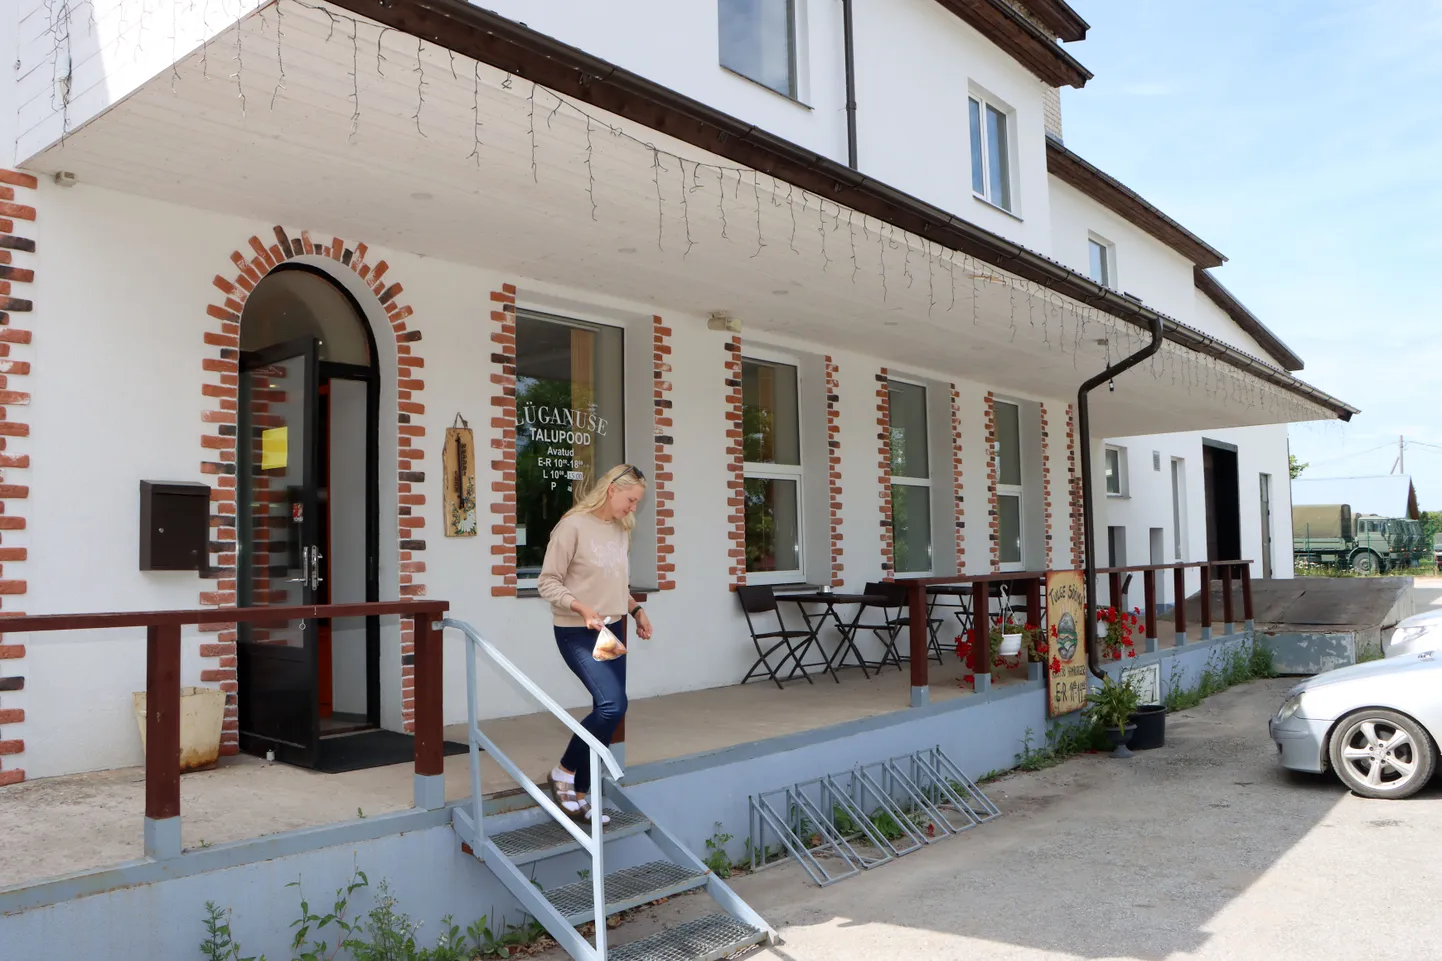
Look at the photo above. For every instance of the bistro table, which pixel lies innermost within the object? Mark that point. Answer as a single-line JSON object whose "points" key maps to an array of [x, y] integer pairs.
{"points": [[816, 620]]}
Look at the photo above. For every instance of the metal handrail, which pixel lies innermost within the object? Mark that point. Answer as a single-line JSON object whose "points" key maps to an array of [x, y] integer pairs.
{"points": [[599, 753]]}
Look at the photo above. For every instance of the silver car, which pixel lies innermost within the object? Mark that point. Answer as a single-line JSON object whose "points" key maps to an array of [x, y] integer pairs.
{"points": [[1415, 634], [1377, 725]]}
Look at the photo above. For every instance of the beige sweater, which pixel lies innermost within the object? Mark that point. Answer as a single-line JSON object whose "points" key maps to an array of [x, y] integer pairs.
{"points": [[586, 560]]}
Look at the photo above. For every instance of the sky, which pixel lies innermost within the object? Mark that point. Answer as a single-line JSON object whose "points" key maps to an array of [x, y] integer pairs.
{"points": [[1302, 139]]}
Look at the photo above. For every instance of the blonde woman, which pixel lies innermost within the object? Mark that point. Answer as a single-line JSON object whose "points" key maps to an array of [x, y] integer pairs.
{"points": [[586, 579]]}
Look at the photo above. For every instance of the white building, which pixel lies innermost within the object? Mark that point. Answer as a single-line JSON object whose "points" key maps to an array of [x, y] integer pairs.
{"points": [[500, 217]]}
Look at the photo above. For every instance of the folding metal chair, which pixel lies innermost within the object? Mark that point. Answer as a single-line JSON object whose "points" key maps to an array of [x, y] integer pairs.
{"points": [[760, 599]]}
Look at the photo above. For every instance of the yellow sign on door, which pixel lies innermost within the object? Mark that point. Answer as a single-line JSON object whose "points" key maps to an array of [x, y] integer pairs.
{"points": [[274, 448], [1065, 613]]}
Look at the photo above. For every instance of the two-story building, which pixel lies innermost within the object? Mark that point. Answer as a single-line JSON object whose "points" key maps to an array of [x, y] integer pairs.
{"points": [[823, 270]]}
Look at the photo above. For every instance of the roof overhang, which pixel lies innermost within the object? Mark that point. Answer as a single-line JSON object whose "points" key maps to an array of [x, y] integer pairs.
{"points": [[1023, 40], [1246, 320], [1125, 202], [1060, 18], [507, 45]]}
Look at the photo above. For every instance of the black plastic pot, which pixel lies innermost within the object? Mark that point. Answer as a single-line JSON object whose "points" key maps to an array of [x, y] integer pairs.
{"points": [[1120, 739], [1151, 722]]}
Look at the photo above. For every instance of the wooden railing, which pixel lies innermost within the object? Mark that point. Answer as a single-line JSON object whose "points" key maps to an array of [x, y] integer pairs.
{"points": [[162, 691], [1033, 584]]}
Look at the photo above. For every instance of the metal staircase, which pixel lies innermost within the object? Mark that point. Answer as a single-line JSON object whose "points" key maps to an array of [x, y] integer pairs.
{"points": [[561, 909]]}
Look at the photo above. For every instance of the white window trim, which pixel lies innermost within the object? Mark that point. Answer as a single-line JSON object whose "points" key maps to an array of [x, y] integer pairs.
{"points": [[1109, 258], [1012, 490], [793, 472], [1123, 487], [915, 481], [985, 99]]}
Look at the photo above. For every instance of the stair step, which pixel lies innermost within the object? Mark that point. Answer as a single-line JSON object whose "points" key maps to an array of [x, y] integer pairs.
{"points": [[704, 939], [550, 838], [625, 889]]}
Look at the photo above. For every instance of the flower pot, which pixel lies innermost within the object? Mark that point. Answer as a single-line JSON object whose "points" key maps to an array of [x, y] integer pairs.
{"points": [[202, 714], [1151, 724], [1010, 645], [1120, 739], [1036, 670]]}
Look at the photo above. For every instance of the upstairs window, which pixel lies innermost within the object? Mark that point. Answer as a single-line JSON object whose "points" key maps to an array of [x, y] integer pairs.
{"points": [[1103, 261], [1116, 465], [991, 153], [758, 41]]}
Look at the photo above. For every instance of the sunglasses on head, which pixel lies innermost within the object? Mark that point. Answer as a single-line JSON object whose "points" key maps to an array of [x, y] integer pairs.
{"points": [[633, 469]]}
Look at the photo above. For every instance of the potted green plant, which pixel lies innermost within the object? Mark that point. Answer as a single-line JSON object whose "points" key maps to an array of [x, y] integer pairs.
{"points": [[1111, 705]]}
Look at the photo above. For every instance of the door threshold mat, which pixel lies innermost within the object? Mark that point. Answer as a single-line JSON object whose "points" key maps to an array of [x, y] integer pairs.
{"points": [[358, 752]]}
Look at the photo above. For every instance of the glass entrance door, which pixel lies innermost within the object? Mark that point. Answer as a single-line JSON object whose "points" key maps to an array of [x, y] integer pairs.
{"points": [[279, 560]]}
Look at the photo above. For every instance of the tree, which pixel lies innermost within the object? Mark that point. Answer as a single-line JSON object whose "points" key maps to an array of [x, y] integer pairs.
{"points": [[1295, 466]]}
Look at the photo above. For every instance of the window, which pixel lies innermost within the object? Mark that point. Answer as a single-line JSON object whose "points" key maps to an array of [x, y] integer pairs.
{"points": [[771, 442], [1009, 484], [910, 478], [569, 422], [1179, 506], [1116, 470], [758, 41], [990, 153], [1103, 261]]}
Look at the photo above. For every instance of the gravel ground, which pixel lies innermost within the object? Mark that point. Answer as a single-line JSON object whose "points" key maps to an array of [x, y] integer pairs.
{"points": [[1203, 849]]}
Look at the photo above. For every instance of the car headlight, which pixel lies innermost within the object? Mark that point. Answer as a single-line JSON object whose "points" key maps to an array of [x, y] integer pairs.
{"points": [[1404, 634], [1289, 707]]}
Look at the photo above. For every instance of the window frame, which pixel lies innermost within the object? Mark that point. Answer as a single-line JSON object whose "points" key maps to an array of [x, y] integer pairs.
{"points": [[796, 473], [584, 322], [918, 482], [1123, 488], [979, 141], [1108, 260], [1017, 491], [795, 24]]}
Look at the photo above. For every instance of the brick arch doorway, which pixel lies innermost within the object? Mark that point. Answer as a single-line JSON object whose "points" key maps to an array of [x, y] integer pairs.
{"points": [[307, 513]]}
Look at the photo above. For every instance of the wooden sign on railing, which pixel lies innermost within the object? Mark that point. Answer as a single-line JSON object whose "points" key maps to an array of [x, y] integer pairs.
{"points": [[1067, 667]]}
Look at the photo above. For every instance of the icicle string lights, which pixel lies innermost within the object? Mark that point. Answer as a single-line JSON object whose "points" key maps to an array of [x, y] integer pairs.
{"points": [[1064, 325]]}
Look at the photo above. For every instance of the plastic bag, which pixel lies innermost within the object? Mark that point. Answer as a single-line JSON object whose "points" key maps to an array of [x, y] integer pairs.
{"points": [[608, 646]]}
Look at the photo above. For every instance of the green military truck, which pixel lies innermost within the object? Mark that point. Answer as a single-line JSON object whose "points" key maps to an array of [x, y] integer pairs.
{"points": [[1328, 535]]}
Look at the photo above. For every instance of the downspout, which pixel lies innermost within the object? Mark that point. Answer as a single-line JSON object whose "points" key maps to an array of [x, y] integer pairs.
{"points": [[1088, 521], [850, 57]]}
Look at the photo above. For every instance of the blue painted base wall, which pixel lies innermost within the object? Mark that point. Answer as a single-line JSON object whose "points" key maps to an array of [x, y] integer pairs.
{"points": [[146, 910]]}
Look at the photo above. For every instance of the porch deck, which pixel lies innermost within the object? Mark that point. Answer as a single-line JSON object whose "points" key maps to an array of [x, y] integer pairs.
{"points": [[53, 826]]}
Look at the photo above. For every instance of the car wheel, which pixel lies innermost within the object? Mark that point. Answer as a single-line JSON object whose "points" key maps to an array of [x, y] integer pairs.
{"points": [[1366, 562], [1382, 754]]}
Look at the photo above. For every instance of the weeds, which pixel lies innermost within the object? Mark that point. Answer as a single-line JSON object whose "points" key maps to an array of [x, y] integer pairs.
{"points": [[1063, 740], [716, 857], [385, 934]]}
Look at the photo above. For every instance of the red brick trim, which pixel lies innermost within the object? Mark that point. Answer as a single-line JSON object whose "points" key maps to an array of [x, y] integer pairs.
{"points": [[883, 467], [958, 480], [736, 485], [221, 391], [993, 515], [833, 469], [17, 193], [503, 419], [1046, 506], [1073, 483], [662, 474]]}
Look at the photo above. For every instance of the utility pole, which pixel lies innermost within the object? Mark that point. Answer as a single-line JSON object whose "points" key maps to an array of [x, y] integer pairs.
{"points": [[1399, 466]]}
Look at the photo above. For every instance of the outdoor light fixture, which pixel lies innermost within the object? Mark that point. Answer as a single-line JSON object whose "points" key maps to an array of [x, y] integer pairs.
{"points": [[720, 320], [65, 178]]}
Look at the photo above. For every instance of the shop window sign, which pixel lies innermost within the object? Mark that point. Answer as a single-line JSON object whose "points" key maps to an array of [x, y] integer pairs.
{"points": [[569, 417]]}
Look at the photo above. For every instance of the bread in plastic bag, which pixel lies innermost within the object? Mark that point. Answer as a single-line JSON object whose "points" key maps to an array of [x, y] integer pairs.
{"points": [[608, 646]]}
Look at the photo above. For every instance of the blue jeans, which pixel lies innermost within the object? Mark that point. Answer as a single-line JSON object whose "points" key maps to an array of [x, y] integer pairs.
{"points": [[606, 680]]}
